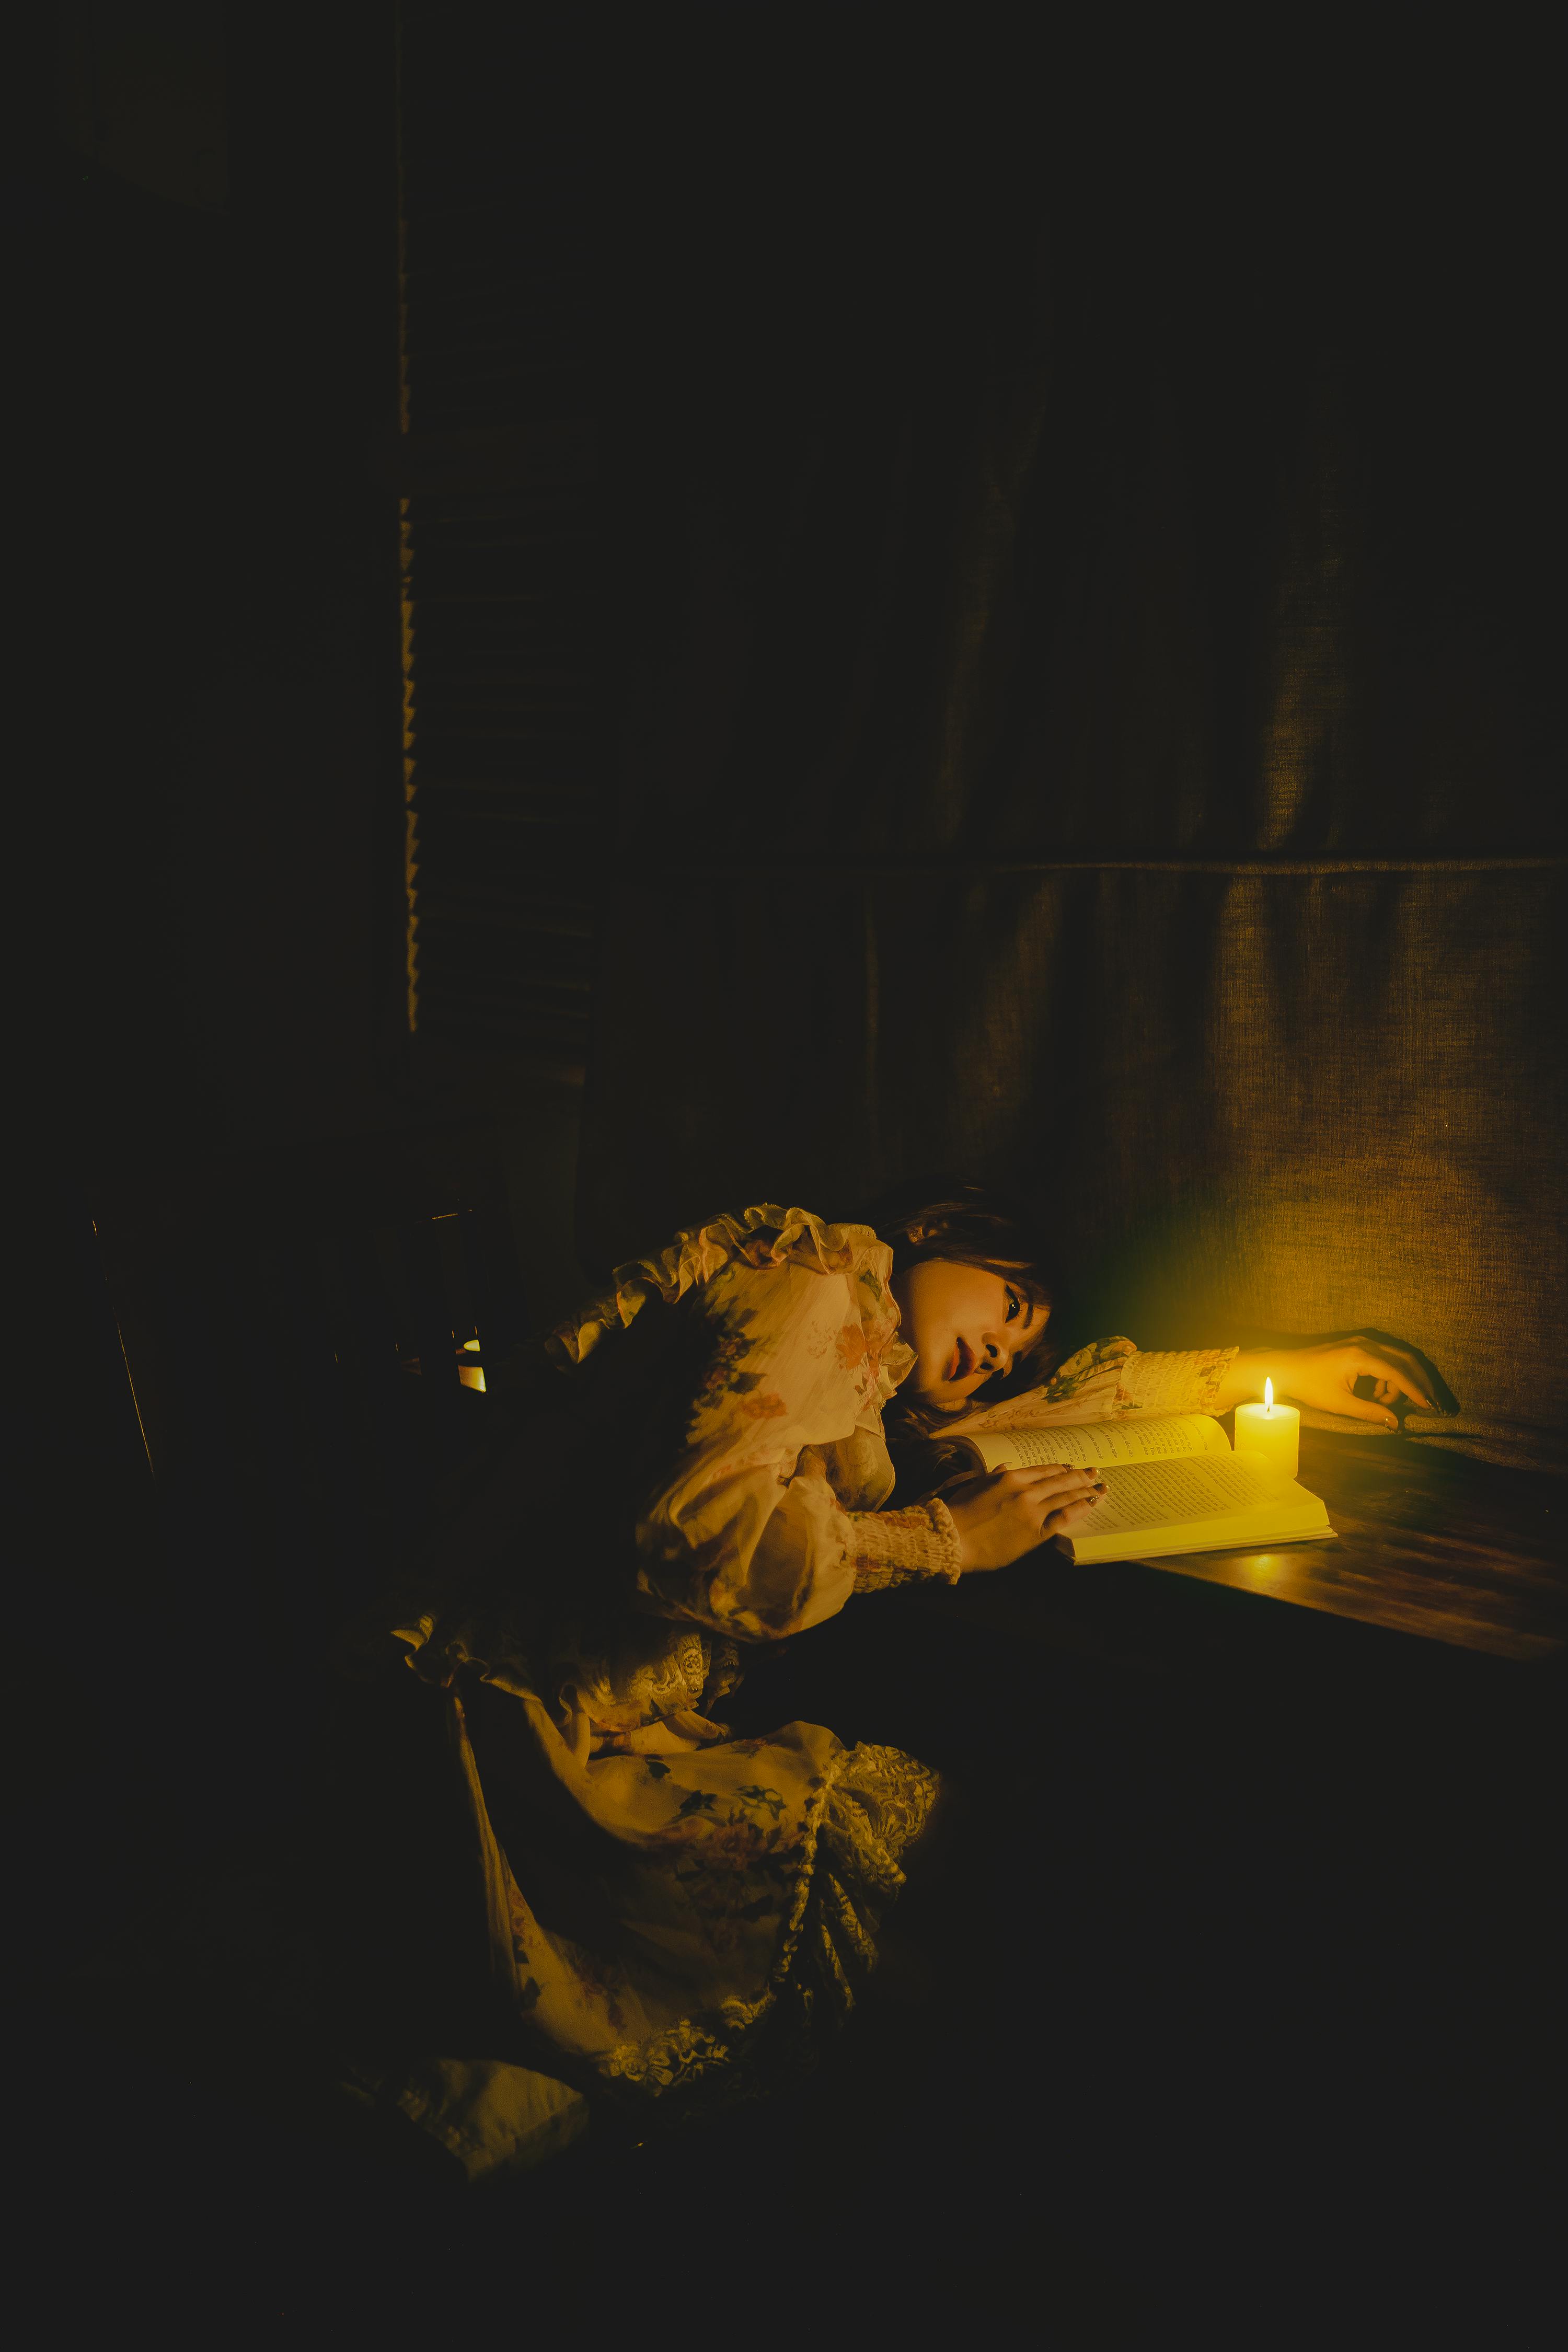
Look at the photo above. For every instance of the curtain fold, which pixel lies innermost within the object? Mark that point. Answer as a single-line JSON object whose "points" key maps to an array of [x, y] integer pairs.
{"points": [[1092, 720]]}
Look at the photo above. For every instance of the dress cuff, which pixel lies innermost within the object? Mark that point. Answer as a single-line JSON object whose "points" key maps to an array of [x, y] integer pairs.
{"points": [[1179, 1381], [892, 1548]]}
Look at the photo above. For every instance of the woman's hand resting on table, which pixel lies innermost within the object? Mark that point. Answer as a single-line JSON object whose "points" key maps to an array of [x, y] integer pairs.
{"points": [[1322, 1375], [1000, 1515]]}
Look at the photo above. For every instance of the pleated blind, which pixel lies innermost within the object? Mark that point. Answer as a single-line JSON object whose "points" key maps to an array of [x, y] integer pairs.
{"points": [[504, 766]]}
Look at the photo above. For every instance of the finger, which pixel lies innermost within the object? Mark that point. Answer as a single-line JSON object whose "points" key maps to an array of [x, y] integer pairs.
{"points": [[1376, 1416], [1393, 1368], [1030, 1473], [1056, 1473], [1069, 1515], [1375, 1412], [1389, 1392], [1079, 1502], [1053, 1493]]}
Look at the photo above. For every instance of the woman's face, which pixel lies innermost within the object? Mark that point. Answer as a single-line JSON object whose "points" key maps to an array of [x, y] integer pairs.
{"points": [[964, 1326]]}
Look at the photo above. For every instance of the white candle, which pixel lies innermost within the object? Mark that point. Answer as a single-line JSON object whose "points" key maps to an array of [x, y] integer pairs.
{"points": [[1271, 1433]]}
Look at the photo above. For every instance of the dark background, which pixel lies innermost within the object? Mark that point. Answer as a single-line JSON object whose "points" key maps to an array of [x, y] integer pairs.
{"points": [[927, 561], [1026, 488]]}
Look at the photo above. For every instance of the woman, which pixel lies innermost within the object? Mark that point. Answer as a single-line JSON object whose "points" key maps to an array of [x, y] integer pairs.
{"points": [[673, 1915]]}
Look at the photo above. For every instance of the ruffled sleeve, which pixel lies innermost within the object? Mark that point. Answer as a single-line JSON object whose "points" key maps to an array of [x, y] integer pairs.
{"points": [[907, 1546], [750, 1531], [1112, 1380], [1188, 1381]]}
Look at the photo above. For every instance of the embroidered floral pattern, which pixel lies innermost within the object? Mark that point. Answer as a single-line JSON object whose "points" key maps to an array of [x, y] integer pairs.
{"points": [[676, 1916], [1109, 1380], [762, 1237], [735, 1886], [869, 1809]]}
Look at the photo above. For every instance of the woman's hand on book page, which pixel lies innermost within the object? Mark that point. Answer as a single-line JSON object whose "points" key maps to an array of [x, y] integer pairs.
{"points": [[1323, 1374], [1003, 1514]]}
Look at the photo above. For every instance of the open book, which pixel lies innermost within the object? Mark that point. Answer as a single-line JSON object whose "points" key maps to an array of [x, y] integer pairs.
{"points": [[1173, 1485]]}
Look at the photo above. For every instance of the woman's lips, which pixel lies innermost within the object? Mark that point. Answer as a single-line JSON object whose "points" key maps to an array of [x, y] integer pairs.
{"points": [[963, 1362]]}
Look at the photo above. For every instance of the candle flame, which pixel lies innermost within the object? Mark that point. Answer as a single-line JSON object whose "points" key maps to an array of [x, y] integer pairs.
{"points": [[1267, 1396]]}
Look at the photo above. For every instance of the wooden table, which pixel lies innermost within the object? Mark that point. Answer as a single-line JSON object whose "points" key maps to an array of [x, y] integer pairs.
{"points": [[1427, 1542]]}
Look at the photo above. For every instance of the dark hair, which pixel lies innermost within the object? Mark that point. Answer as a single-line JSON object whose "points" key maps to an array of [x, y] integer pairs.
{"points": [[972, 1224]]}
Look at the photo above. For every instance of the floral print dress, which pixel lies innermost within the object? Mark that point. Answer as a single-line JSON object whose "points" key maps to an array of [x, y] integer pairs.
{"points": [[675, 1915]]}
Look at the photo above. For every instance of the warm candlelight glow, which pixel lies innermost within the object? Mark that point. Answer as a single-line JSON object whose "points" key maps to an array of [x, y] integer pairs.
{"points": [[1271, 1433]]}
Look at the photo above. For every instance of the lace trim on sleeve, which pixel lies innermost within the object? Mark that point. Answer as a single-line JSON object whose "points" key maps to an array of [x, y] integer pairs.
{"points": [[1184, 1381], [893, 1548], [1108, 1381]]}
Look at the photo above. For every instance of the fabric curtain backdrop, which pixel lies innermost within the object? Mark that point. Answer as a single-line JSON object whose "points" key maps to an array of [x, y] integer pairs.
{"points": [[1090, 643]]}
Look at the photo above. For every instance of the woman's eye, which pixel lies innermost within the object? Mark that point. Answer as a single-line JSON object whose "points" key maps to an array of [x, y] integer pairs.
{"points": [[1015, 1305]]}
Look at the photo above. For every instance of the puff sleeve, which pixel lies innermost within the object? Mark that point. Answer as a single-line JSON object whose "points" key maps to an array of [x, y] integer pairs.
{"points": [[1112, 1380], [745, 1533]]}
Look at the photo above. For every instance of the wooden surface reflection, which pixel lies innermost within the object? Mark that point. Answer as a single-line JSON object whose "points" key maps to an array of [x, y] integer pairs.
{"points": [[1427, 1543]]}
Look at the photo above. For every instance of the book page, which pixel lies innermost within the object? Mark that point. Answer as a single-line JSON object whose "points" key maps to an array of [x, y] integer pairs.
{"points": [[1104, 1443], [1152, 1495]]}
